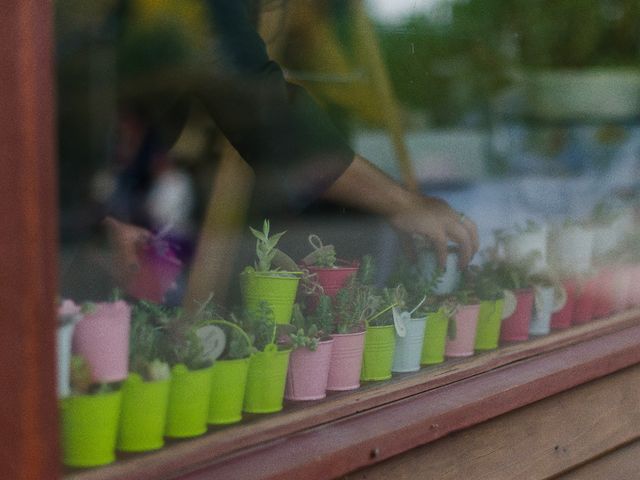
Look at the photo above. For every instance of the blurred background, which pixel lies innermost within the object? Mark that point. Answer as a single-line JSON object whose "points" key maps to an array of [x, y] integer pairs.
{"points": [[509, 109]]}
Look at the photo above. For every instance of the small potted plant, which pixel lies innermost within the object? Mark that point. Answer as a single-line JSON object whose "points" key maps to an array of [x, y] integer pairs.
{"points": [[380, 336], [69, 314], [549, 297], [440, 310], [264, 283], [229, 375], [518, 305], [145, 392], [465, 322], [308, 372], [89, 418], [352, 307], [411, 316], [190, 360], [330, 273], [101, 337], [267, 375], [491, 295]]}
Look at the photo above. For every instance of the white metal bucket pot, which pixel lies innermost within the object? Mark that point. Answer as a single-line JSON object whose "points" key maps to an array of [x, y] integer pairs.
{"points": [[450, 279], [408, 351], [546, 302], [64, 338]]}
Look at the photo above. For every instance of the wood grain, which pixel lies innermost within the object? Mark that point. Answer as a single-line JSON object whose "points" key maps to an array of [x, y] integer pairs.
{"points": [[621, 464], [537, 442], [28, 242], [412, 405]]}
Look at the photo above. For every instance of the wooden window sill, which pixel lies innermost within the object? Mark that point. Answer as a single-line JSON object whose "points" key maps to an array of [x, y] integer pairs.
{"points": [[351, 430]]}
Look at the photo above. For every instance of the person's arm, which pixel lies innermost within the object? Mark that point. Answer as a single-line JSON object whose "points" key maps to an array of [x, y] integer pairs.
{"points": [[365, 187]]}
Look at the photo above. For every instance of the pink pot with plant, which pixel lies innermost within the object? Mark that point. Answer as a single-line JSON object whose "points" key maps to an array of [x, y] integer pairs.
{"points": [[346, 361], [102, 338], [515, 328], [562, 319], [466, 322], [308, 372]]}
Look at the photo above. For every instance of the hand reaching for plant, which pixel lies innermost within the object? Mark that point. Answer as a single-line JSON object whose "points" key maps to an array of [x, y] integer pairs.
{"points": [[364, 186], [435, 219], [126, 242]]}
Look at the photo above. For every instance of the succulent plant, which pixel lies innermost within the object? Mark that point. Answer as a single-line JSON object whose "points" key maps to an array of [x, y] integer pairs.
{"points": [[265, 247]]}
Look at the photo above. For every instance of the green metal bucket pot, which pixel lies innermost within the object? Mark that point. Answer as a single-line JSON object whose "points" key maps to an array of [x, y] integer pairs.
{"points": [[89, 429], [278, 291], [377, 359], [228, 384], [435, 338], [143, 414], [266, 380], [188, 402], [489, 321]]}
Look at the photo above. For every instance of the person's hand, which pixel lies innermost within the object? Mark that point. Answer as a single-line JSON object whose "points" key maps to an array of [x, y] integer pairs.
{"points": [[127, 241], [435, 219]]}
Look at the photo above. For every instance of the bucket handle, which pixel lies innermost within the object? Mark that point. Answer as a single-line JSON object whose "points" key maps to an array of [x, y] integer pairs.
{"points": [[384, 310], [232, 325]]}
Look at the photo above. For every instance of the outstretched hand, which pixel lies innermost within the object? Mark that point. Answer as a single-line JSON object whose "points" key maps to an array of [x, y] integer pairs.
{"points": [[433, 218], [366, 187]]}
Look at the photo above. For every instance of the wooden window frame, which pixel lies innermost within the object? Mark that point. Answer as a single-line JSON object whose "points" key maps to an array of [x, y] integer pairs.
{"points": [[322, 440]]}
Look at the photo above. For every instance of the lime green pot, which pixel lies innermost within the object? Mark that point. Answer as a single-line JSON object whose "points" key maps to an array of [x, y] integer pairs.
{"points": [[143, 414], [277, 289], [435, 338], [228, 384], [188, 402], [489, 322], [89, 425], [377, 359], [266, 380]]}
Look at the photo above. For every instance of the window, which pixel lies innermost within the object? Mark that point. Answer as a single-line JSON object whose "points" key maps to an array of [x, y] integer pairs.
{"points": [[545, 163]]}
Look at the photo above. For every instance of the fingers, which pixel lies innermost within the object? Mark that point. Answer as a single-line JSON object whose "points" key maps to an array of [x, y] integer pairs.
{"points": [[439, 243], [472, 230], [461, 236]]}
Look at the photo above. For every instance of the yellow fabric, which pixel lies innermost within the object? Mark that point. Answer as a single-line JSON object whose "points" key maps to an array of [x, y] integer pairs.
{"points": [[314, 48], [189, 16]]}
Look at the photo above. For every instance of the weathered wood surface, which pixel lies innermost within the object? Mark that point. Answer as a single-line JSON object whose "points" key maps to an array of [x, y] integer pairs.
{"points": [[398, 415], [621, 464], [537, 442], [28, 242]]}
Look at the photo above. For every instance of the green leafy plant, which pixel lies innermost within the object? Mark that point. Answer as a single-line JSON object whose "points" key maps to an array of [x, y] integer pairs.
{"points": [[178, 342], [260, 326], [418, 287], [483, 282], [322, 255], [145, 339], [306, 331], [265, 247], [352, 306]]}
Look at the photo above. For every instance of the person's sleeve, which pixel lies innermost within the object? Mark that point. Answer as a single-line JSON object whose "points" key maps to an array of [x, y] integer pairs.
{"points": [[291, 144]]}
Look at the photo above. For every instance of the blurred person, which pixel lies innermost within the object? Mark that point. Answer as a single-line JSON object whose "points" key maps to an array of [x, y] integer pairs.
{"points": [[174, 52]]}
